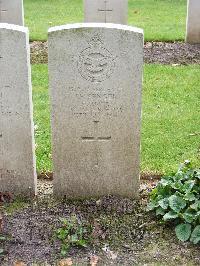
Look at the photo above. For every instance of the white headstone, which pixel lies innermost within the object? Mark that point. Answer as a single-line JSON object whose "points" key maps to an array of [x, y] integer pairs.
{"points": [[17, 159], [95, 81], [193, 22], [12, 12], [106, 11]]}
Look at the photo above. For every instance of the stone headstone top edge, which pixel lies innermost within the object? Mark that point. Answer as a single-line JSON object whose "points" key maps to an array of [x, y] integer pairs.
{"points": [[14, 27], [96, 25]]}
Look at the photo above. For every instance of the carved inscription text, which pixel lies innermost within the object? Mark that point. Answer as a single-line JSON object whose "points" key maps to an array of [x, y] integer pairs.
{"points": [[95, 103]]}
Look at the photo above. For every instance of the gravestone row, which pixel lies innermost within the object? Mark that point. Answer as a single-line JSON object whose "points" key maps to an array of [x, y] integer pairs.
{"points": [[95, 82], [107, 11], [104, 11], [95, 75]]}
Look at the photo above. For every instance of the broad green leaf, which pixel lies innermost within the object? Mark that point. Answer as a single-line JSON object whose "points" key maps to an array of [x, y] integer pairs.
{"points": [[183, 231], [177, 185], [153, 193], [152, 205], [195, 206], [197, 173], [165, 182], [160, 211], [177, 177], [188, 185], [164, 203], [198, 217], [195, 237], [196, 189], [189, 217], [170, 215], [176, 203], [189, 196], [164, 191]]}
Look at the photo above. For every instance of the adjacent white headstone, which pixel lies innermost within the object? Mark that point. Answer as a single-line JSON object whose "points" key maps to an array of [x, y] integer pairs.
{"points": [[193, 22], [12, 11], [96, 81], [17, 159], [106, 11]]}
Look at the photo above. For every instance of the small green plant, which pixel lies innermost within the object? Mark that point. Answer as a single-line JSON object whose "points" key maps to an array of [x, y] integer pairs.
{"points": [[177, 199], [73, 232], [2, 241]]}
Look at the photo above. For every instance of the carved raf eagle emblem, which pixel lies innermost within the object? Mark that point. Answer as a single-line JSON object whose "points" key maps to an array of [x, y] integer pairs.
{"points": [[96, 63]]}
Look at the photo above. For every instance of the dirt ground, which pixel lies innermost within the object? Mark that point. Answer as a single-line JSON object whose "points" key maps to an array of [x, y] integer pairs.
{"points": [[123, 232], [154, 52]]}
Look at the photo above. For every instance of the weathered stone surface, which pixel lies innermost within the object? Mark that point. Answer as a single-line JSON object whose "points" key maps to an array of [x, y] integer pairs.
{"points": [[106, 11], [95, 81], [12, 11], [193, 22], [17, 160]]}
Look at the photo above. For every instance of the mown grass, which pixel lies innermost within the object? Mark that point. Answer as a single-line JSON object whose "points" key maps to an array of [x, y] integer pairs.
{"points": [[171, 112], [160, 19], [42, 117]]}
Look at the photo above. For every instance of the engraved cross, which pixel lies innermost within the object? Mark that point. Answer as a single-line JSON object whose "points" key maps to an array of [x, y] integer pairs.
{"points": [[105, 10], [96, 139]]}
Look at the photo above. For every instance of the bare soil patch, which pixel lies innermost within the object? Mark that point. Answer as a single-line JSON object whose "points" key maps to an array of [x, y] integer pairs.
{"points": [[172, 53], [39, 52], [123, 232], [154, 52]]}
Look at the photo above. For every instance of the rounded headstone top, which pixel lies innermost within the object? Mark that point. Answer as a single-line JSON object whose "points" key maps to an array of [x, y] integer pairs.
{"points": [[96, 25], [8, 26]]}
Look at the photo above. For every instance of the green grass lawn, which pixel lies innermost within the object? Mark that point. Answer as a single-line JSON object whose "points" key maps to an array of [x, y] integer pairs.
{"points": [[160, 19], [171, 113]]}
